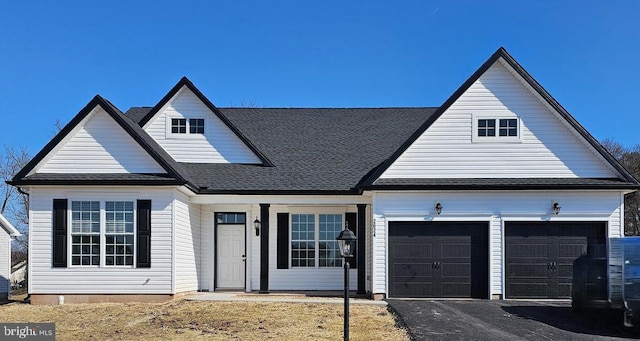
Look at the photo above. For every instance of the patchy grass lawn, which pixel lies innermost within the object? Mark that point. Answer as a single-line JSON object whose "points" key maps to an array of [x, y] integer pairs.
{"points": [[191, 320]]}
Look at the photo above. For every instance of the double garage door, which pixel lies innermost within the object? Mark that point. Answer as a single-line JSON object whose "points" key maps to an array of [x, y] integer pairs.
{"points": [[451, 259]]}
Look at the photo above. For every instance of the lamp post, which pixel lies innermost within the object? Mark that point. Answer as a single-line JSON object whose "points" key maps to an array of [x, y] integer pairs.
{"points": [[346, 241]]}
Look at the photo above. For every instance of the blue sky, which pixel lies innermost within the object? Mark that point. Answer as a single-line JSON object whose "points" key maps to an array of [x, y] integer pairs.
{"points": [[56, 55]]}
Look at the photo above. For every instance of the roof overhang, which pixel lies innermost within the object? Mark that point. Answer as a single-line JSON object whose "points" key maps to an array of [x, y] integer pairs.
{"points": [[7, 226], [500, 184]]}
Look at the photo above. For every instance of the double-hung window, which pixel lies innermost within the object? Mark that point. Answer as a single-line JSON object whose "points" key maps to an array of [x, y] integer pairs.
{"points": [[119, 233], [313, 240], [85, 233], [102, 233]]}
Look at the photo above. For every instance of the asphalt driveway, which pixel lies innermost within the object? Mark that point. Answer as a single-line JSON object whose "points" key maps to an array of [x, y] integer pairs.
{"points": [[506, 320]]}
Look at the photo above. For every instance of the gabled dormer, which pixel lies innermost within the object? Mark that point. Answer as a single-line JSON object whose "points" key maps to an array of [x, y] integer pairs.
{"points": [[499, 124], [100, 146], [191, 129]]}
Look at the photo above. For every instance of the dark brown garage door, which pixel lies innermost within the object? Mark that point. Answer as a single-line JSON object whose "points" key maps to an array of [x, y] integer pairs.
{"points": [[438, 259], [540, 255]]}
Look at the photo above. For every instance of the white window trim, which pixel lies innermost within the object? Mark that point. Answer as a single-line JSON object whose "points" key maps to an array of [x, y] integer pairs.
{"points": [[316, 213], [103, 233], [494, 139], [187, 135]]}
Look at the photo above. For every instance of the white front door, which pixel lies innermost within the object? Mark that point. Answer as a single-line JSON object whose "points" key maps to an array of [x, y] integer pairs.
{"points": [[231, 257]]}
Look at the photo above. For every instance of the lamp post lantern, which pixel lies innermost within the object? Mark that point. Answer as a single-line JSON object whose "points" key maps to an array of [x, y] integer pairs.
{"points": [[347, 242]]}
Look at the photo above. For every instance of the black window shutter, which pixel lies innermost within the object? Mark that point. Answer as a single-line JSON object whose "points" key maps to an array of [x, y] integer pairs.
{"points": [[59, 233], [283, 240], [352, 223], [143, 221]]}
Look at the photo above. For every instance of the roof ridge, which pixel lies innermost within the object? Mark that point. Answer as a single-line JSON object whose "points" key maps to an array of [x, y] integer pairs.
{"points": [[328, 108], [311, 108]]}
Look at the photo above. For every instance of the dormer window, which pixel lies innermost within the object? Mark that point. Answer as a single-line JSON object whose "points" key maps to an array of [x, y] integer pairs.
{"points": [[496, 129], [196, 126], [487, 127], [178, 126], [508, 127], [183, 126]]}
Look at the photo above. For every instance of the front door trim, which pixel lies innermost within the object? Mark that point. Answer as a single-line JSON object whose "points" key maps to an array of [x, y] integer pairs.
{"points": [[216, 248]]}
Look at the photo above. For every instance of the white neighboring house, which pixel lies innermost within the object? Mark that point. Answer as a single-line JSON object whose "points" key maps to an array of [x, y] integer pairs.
{"points": [[494, 194], [7, 233], [19, 274]]}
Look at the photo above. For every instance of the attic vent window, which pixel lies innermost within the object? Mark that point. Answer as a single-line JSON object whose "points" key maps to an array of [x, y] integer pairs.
{"points": [[178, 126], [508, 127], [182, 127], [196, 126], [487, 127], [496, 129]]}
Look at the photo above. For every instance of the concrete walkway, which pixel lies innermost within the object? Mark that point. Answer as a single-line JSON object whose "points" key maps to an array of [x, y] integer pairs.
{"points": [[278, 297]]}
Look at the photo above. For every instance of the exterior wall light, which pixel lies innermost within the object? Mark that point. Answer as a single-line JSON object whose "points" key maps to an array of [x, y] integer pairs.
{"points": [[438, 208], [256, 225], [556, 208]]}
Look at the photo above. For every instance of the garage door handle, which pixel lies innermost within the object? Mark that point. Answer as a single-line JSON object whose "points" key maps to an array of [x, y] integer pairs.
{"points": [[435, 265], [552, 266]]}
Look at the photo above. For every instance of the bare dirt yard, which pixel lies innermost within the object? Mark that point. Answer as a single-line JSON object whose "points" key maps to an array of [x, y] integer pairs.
{"points": [[192, 320]]}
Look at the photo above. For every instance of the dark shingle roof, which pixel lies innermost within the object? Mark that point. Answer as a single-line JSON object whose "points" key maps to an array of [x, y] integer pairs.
{"points": [[136, 114], [311, 149], [335, 150], [317, 150]]}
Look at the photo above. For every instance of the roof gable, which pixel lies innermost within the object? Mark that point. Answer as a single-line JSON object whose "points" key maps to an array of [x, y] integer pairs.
{"points": [[132, 129], [185, 83], [501, 57], [8, 227], [98, 145]]}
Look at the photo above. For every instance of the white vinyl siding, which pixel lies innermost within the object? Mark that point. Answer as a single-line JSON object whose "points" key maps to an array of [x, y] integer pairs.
{"points": [[307, 278], [279, 279], [208, 247], [99, 145], [545, 146], [218, 144], [100, 280], [5, 262], [188, 239], [493, 207]]}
